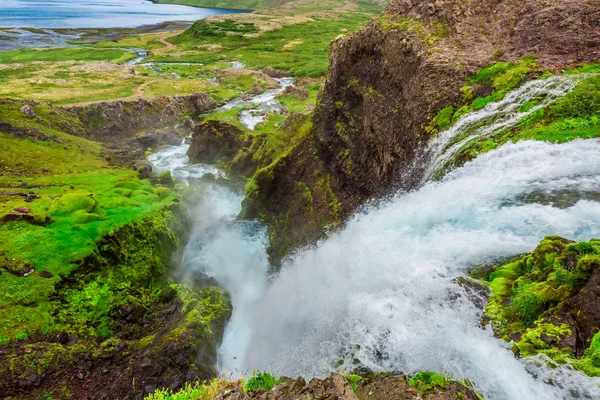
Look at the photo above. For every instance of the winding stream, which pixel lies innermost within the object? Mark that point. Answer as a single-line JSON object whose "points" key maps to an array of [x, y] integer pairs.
{"points": [[380, 290]]}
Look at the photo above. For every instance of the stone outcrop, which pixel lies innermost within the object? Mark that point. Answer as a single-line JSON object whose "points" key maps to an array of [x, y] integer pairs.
{"points": [[213, 140], [387, 82], [116, 120]]}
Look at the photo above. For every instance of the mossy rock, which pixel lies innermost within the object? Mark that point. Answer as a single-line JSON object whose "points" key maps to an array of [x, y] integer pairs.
{"points": [[547, 302], [71, 202]]}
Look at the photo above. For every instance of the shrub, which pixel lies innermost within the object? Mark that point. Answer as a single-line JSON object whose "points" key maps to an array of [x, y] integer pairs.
{"points": [[261, 380]]}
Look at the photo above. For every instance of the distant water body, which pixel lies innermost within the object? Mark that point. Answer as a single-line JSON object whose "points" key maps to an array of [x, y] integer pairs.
{"points": [[96, 13]]}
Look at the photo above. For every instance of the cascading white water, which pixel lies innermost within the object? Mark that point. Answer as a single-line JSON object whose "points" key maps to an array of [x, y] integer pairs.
{"points": [[381, 288], [380, 291], [261, 105], [494, 118]]}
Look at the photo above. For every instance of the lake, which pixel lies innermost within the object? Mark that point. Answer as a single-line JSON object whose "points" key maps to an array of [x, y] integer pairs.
{"points": [[96, 13]]}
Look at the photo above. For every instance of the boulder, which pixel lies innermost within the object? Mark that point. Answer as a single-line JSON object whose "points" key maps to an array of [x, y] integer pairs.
{"points": [[28, 111], [213, 140]]}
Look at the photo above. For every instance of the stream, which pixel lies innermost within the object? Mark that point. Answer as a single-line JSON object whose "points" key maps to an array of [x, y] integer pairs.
{"points": [[379, 291]]}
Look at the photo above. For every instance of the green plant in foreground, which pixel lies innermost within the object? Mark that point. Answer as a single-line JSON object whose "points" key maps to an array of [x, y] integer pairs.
{"points": [[426, 381], [260, 380]]}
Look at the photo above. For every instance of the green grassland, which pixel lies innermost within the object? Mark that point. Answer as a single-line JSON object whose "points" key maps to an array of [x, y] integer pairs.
{"points": [[147, 41], [301, 48], [297, 42], [66, 54], [79, 200]]}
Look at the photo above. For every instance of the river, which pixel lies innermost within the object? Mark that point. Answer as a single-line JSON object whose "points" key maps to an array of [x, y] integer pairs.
{"points": [[380, 291]]}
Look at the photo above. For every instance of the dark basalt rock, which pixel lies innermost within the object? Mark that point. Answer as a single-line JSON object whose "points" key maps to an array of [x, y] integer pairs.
{"points": [[213, 140]]}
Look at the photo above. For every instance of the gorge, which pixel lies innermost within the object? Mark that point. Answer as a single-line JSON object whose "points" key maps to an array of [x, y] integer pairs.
{"points": [[410, 211]]}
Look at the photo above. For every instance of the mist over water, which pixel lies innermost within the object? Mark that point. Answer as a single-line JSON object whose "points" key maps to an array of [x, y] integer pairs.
{"points": [[380, 290], [379, 293]]}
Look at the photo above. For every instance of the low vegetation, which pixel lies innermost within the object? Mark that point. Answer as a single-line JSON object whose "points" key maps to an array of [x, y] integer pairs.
{"points": [[573, 116], [530, 302]]}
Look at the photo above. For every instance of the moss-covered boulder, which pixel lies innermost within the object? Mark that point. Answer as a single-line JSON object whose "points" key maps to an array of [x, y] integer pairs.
{"points": [[548, 301], [215, 140]]}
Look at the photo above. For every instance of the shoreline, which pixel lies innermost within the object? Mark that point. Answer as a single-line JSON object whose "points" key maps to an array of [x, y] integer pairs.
{"points": [[241, 10], [139, 27]]}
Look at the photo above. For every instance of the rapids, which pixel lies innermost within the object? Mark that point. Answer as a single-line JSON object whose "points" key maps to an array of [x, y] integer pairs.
{"points": [[379, 292]]}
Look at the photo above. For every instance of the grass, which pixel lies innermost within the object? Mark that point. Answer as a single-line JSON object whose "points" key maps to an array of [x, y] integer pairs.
{"points": [[66, 54], [301, 48], [78, 82], [84, 199], [260, 380], [146, 41], [193, 391]]}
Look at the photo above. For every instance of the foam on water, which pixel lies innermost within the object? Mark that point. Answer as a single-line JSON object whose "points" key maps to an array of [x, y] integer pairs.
{"points": [[380, 291], [261, 105]]}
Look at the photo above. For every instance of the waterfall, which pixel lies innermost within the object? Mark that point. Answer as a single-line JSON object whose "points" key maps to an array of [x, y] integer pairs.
{"points": [[494, 118], [379, 293]]}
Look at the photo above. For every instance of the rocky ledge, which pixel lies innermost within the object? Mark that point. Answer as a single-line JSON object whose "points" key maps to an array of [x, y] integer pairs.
{"points": [[425, 386]]}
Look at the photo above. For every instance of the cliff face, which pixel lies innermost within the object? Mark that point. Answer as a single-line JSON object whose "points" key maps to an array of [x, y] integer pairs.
{"points": [[387, 82], [113, 121]]}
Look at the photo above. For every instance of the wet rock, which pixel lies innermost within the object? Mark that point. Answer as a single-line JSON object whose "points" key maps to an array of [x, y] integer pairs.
{"points": [[18, 266], [24, 214], [166, 179], [476, 292], [256, 89], [584, 307], [213, 140], [28, 111], [188, 124]]}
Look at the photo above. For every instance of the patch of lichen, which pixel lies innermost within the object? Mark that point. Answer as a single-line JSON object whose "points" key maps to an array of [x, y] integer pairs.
{"points": [[528, 293]]}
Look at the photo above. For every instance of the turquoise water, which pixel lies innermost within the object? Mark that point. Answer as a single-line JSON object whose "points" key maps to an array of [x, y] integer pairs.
{"points": [[96, 13]]}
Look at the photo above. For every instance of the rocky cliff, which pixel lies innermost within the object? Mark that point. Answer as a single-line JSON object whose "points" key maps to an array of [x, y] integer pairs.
{"points": [[113, 121], [385, 85]]}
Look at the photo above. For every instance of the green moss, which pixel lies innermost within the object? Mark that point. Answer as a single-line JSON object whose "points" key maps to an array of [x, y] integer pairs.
{"points": [[428, 382], [442, 120], [88, 202], [71, 202], [528, 293]]}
